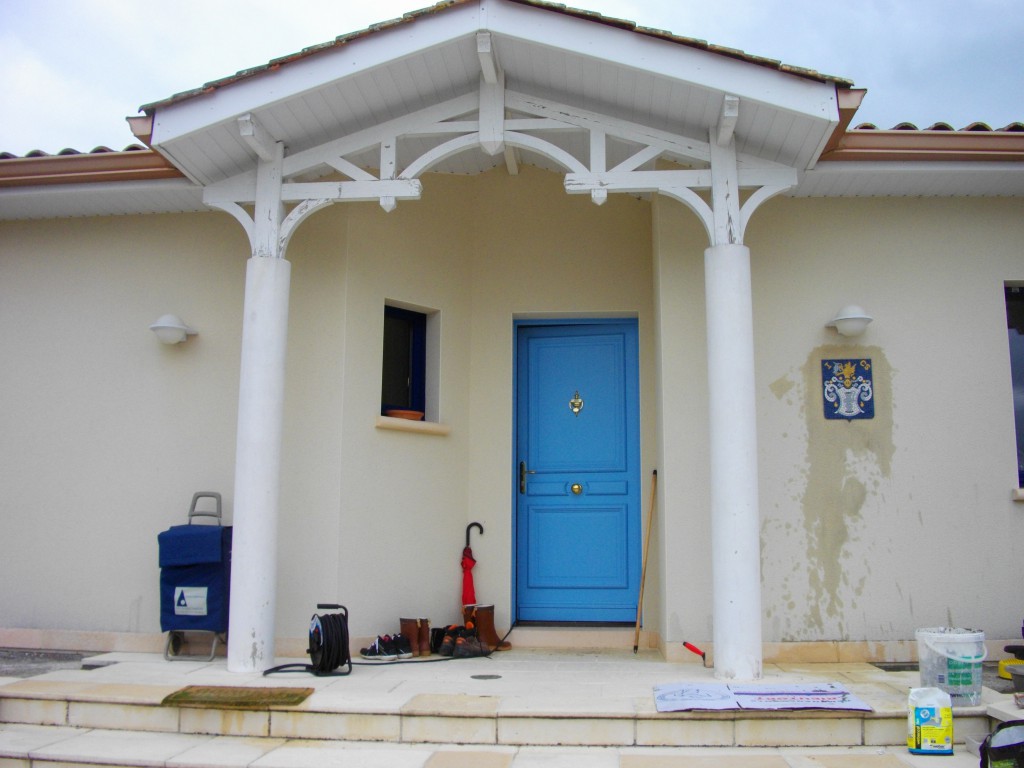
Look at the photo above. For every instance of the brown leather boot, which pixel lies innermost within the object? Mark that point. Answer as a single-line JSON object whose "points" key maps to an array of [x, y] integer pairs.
{"points": [[482, 617], [410, 629], [424, 627]]}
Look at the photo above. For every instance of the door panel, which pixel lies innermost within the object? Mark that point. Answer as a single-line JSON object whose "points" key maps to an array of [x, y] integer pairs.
{"points": [[577, 516]]}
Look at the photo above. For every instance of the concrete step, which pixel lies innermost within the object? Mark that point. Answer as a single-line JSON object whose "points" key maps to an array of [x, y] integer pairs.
{"points": [[436, 717], [34, 746], [510, 703]]}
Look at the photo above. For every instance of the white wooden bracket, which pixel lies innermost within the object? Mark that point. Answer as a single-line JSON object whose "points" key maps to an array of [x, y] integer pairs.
{"points": [[488, 58], [258, 139], [482, 120], [727, 119], [492, 97]]}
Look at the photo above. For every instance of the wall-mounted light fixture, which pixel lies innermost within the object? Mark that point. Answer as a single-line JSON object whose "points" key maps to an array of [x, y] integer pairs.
{"points": [[171, 330], [851, 320]]}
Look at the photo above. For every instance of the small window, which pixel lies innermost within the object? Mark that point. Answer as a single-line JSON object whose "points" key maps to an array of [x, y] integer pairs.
{"points": [[403, 378], [1015, 326]]}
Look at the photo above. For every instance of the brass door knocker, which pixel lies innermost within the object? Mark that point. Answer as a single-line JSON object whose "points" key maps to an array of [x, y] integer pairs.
{"points": [[576, 404]]}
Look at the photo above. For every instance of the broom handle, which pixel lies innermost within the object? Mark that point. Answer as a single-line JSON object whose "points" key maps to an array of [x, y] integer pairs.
{"points": [[647, 546]]}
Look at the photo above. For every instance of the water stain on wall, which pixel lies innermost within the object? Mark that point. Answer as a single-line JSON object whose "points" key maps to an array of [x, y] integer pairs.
{"points": [[844, 465]]}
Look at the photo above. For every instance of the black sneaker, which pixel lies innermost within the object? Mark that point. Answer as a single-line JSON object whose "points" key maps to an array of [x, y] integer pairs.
{"points": [[401, 646], [381, 649]]}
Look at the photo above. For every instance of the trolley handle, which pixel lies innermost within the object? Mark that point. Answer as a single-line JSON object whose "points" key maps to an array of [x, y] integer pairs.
{"points": [[208, 513]]}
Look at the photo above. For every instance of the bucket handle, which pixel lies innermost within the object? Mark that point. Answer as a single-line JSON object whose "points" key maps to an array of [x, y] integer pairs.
{"points": [[970, 659]]}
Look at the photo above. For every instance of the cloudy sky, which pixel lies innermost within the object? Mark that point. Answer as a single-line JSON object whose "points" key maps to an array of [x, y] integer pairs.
{"points": [[74, 69]]}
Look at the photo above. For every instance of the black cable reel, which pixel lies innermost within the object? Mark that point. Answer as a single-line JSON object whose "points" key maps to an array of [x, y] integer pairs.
{"points": [[328, 644], [328, 640]]}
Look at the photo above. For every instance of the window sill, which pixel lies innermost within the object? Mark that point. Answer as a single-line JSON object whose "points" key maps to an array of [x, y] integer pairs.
{"points": [[1018, 494], [405, 425]]}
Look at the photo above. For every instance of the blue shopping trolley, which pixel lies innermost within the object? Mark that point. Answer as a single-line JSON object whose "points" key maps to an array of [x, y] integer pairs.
{"points": [[195, 577]]}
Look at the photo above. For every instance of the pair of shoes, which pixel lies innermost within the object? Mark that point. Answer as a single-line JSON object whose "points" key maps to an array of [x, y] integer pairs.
{"points": [[482, 616], [418, 632], [402, 646], [451, 635], [468, 646], [461, 642], [387, 648], [382, 649]]}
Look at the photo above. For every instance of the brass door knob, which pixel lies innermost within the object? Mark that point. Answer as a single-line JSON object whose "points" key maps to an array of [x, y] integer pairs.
{"points": [[576, 488]]}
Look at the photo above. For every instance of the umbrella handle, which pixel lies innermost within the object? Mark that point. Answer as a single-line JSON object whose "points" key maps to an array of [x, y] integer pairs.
{"points": [[472, 525]]}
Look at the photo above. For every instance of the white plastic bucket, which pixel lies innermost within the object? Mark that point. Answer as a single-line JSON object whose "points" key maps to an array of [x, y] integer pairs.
{"points": [[950, 659]]}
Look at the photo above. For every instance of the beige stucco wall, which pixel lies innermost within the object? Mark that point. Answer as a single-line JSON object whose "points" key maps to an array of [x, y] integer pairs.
{"points": [[482, 252], [869, 529], [371, 518], [105, 434]]}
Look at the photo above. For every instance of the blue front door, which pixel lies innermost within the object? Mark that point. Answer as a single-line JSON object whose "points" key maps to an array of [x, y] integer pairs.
{"points": [[577, 472]]}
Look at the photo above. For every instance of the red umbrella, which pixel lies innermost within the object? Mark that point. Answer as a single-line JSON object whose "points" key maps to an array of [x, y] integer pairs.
{"points": [[468, 591]]}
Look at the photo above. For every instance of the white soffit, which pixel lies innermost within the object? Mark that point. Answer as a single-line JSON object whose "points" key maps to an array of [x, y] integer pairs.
{"points": [[52, 201], [912, 179], [432, 58]]}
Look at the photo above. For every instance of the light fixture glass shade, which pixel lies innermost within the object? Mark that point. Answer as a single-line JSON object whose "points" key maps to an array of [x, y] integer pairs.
{"points": [[171, 330], [851, 320]]}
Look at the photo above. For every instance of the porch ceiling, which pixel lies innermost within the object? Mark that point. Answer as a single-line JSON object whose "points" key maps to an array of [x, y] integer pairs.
{"points": [[431, 57]]}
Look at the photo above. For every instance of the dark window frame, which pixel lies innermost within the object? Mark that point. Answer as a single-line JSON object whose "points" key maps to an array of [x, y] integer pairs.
{"points": [[404, 328], [1014, 295]]}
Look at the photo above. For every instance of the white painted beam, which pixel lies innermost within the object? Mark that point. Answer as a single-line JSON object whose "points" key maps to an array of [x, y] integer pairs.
{"points": [[488, 58], [645, 155], [635, 181], [511, 124], [725, 193], [353, 171], [589, 120], [341, 191], [653, 181], [388, 157], [492, 115], [727, 118], [413, 123], [269, 210], [511, 161], [256, 136]]}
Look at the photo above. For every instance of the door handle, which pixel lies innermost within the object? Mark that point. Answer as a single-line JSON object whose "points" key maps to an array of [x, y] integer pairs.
{"points": [[523, 472]]}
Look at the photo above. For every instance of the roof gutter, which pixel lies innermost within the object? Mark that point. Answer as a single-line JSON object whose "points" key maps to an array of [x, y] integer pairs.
{"points": [[946, 146], [136, 165]]}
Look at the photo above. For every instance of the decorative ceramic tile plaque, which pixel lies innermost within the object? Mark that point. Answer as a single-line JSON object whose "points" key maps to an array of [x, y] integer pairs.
{"points": [[847, 389]]}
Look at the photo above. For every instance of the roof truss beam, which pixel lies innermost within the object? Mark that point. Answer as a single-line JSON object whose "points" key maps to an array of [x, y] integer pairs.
{"points": [[495, 133]]}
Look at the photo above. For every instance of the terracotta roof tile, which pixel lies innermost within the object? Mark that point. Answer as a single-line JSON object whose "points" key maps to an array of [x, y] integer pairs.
{"points": [[973, 127], [412, 16], [101, 150]]}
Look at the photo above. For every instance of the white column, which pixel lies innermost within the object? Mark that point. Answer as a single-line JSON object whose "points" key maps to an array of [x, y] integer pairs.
{"points": [[260, 417], [735, 523], [258, 465]]}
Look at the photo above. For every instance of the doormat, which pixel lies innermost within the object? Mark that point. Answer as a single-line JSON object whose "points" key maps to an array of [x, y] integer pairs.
{"points": [[226, 697], [682, 697]]}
